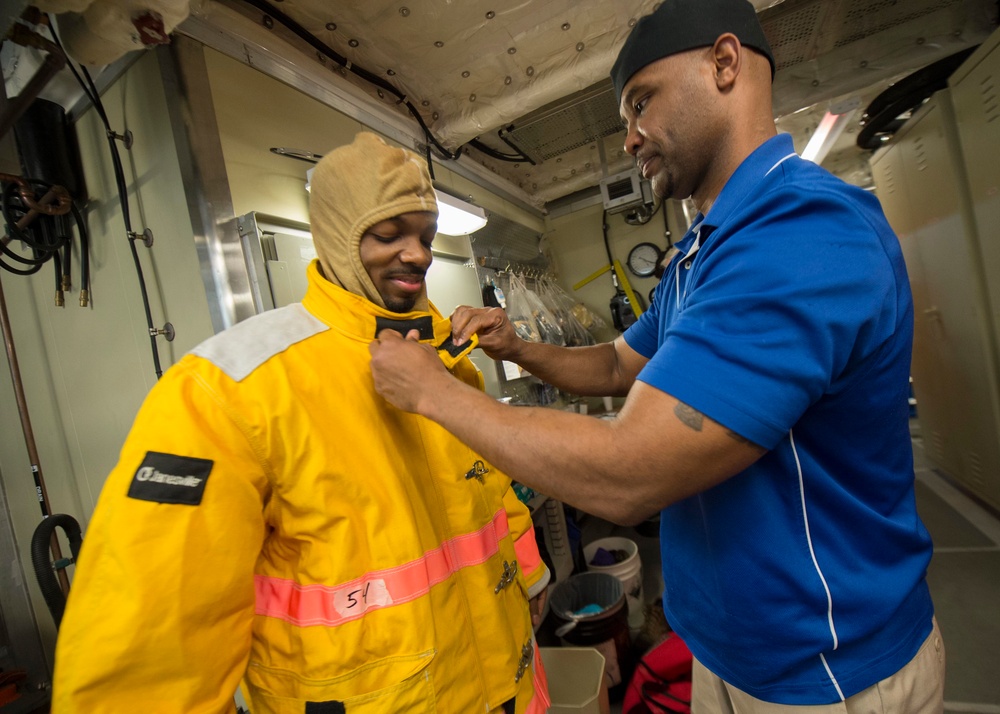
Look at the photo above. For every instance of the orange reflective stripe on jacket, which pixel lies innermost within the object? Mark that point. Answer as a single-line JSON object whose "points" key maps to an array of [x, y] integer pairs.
{"points": [[332, 605]]}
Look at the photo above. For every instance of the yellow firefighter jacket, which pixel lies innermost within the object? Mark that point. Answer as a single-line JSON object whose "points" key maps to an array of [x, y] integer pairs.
{"points": [[272, 519]]}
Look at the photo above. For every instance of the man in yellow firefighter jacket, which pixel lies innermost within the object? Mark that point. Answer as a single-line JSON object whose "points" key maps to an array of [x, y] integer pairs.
{"points": [[271, 519]]}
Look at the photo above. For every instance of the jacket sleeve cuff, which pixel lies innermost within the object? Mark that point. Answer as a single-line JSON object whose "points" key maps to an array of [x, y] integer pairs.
{"points": [[541, 583]]}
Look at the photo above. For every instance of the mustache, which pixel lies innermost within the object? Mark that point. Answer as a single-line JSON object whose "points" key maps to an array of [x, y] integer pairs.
{"points": [[406, 273]]}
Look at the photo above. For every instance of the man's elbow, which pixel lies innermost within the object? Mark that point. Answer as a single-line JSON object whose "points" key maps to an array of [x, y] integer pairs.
{"points": [[625, 510]]}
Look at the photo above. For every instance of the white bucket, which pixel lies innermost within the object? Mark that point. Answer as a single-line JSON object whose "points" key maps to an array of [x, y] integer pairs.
{"points": [[576, 680], [629, 571]]}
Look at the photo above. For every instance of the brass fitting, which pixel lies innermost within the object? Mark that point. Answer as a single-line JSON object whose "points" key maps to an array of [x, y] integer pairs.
{"points": [[60, 298], [84, 298]]}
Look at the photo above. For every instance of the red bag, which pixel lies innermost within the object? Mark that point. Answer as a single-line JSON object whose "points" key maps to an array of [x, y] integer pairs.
{"points": [[661, 682]]}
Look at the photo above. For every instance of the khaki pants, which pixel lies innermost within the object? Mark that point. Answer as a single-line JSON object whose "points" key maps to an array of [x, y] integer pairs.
{"points": [[918, 688]]}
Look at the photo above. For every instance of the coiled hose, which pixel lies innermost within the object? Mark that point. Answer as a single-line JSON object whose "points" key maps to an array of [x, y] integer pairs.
{"points": [[45, 569]]}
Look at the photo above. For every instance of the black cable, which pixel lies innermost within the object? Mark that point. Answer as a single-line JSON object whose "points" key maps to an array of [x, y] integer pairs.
{"points": [[880, 118], [45, 569], [514, 146], [325, 50], [639, 221], [81, 227], [116, 161], [500, 156], [607, 246], [57, 264], [90, 89], [40, 237]]}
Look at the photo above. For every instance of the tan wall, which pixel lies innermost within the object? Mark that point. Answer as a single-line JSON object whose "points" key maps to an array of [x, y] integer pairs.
{"points": [[87, 370], [256, 113], [250, 125], [576, 246]]}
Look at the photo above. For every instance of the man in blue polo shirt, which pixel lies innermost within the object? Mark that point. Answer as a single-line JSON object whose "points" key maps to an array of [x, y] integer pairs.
{"points": [[766, 409]]}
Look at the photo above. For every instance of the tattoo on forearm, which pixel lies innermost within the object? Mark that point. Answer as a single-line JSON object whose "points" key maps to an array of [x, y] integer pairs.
{"points": [[688, 416]]}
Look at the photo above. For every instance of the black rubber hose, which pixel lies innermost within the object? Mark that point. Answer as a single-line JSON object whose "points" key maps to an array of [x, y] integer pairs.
{"points": [[37, 237], [499, 155], [81, 226], [607, 244], [880, 117], [119, 172], [514, 146], [57, 263], [45, 569]]}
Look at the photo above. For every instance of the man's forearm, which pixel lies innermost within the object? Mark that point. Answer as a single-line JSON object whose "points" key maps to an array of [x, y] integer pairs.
{"points": [[570, 457], [587, 371]]}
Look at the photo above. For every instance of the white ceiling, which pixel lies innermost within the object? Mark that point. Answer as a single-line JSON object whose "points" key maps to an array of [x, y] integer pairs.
{"points": [[537, 70]]}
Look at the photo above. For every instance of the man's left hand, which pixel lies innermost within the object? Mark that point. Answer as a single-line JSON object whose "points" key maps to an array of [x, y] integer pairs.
{"points": [[404, 370], [536, 605]]}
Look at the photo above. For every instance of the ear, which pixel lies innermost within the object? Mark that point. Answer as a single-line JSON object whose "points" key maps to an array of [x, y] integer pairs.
{"points": [[727, 53]]}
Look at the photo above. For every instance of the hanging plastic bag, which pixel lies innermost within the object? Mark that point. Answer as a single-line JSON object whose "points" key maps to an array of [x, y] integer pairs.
{"points": [[588, 318], [519, 311], [562, 306], [530, 316]]}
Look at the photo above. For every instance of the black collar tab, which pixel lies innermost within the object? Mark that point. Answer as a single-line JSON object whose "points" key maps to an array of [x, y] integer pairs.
{"points": [[423, 325]]}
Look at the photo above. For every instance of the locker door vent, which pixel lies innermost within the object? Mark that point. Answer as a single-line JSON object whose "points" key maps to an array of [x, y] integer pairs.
{"points": [[976, 469], [990, 106], [920, 153], [937, 441], [890, 179]]}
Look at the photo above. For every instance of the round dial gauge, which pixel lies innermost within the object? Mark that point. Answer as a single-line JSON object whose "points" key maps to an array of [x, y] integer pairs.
{"points": [[643, 259]]}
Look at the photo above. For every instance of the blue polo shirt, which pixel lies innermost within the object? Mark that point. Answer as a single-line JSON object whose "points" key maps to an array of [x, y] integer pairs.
{"points": [[786, 316]]}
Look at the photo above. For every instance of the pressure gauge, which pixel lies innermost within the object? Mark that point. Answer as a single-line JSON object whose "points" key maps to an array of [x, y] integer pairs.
{"points": [[643, 259]]}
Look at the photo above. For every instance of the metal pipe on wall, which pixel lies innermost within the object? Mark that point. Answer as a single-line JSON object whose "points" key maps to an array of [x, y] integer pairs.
{"points": [[42, 206]]}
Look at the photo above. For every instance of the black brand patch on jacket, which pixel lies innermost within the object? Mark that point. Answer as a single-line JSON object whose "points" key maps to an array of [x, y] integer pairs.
{"points": [[325, 708], [168, 478], [423, 325]]}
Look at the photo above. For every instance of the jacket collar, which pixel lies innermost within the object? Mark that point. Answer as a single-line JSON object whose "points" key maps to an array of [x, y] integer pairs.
{"points": [[359, 318]]}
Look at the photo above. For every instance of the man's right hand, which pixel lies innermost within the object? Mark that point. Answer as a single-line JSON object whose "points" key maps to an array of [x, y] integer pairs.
{"points": [[496, 335]]}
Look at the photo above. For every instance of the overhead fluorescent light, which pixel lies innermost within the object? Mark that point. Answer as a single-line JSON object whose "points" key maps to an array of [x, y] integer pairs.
{"points": [[457, 217], [831, 126]]}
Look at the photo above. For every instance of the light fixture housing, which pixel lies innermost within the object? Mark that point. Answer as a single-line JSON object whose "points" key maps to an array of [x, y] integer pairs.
{"points": [[457, 217]]}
